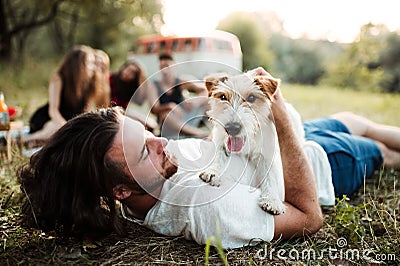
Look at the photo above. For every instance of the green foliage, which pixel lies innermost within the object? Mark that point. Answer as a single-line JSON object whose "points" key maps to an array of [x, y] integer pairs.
{"points": [[115, 25], [26, 85], [350, 73], [317, 101], [217, 242], [264, 44], [109, 25], [253, 40], [371, 63], [389, 62], [297, 61], [347, 220]]}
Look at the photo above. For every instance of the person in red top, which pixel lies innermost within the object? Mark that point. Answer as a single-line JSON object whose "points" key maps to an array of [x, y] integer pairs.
{"points": [[127, 85]]}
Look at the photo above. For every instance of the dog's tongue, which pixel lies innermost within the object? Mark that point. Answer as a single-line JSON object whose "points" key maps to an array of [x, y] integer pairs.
{"points": [[235, 144]]}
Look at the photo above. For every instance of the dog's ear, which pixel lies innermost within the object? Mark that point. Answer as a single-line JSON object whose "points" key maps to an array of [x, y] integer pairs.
{"points": [[212, 81], [267, 84]]}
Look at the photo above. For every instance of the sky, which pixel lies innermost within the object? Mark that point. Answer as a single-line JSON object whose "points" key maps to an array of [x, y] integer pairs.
{"points": [[338, 20]]}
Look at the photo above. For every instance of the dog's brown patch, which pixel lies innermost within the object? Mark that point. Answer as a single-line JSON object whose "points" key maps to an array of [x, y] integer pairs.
{"points": [[221, 95], [213, 81], [268, 85]]}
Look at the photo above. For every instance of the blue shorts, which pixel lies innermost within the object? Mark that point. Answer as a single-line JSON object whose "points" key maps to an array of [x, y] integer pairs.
{"points": [[352, 158]]}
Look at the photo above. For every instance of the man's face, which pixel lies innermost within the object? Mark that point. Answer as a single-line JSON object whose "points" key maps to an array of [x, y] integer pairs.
{"points": [[164, 64], [129, 73], [144, 155]]}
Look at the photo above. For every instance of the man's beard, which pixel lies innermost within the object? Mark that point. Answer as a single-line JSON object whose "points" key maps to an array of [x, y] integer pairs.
{"points": [[158, 180], [170, 170]]}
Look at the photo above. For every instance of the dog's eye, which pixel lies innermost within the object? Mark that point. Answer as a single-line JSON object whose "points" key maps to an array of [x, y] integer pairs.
{"points": [[222, 97], [251, 99]]}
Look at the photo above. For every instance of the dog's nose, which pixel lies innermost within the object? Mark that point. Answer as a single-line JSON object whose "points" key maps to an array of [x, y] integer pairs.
{"points": [[233, 128]]}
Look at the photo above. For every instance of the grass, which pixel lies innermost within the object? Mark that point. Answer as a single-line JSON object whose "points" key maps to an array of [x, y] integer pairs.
{"points": [[366, 224], [321, 101]]}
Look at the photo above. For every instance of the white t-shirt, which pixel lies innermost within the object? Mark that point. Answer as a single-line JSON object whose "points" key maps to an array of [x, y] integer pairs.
{"points": [[322, 172], [228, 213]]}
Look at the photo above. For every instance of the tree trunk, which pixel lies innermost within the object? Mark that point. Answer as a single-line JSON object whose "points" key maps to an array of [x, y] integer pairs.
{"points": [[21, 29], [5, 37]]}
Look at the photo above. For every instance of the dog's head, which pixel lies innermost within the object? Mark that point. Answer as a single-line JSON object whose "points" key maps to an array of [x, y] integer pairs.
{"points": [[240, 105], [266, 84]]}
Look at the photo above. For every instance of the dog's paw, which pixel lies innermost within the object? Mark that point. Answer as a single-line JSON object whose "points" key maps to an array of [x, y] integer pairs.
{"points": [[271, 205], [211, 177]]}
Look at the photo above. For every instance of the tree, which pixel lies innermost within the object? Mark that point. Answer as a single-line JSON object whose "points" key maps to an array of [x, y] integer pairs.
{"points": [[389, 61], [359, 65], [261, 35], [298, 61], [254, 42], [18, 18], [103, 24]]}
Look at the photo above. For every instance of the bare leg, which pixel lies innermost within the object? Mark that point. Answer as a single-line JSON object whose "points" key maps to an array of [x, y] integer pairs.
{"points": [[391, 158], [45, 133], [387, 137]]}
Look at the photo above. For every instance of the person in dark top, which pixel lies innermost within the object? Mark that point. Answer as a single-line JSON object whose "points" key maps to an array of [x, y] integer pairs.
{"points": [[175, 96], [72, 91], [177, 116]]}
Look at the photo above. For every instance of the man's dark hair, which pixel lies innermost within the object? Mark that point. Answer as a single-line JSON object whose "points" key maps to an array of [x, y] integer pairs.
{"points": [[68, 184], [165, 56]]}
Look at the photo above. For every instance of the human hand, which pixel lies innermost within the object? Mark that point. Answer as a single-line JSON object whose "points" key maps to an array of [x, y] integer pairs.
{"points": [[277, 97], [260, 71]]}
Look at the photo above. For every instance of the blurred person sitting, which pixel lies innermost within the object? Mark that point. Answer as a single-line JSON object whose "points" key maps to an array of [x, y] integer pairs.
{"points": [[128, 87], [125, 84], [176, 115], [72, 91]]}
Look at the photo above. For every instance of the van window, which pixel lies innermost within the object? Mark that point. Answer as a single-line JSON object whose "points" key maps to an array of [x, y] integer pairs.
{"points": [[222, 45], [175, 45], [151, 47], [201, 46], [163, 45], [188, 45]]}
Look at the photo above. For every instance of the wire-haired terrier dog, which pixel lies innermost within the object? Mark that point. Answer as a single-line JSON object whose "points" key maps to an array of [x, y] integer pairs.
{"points": [[243, 124]]}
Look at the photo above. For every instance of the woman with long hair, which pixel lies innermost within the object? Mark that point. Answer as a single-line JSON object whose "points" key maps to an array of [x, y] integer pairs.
{"points": [[72, 91], [125, 84], [128, 88]]}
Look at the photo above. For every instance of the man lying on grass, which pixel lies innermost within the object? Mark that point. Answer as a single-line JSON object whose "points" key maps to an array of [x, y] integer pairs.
{"points": [[72, 183]]}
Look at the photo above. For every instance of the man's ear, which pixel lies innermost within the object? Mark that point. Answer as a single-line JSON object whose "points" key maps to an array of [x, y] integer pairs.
{"points": [[121, 192], [267, 84], [213, 80]]}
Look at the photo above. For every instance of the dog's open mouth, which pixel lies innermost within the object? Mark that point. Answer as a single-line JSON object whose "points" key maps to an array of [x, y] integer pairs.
{"points": [[235, 144]]}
